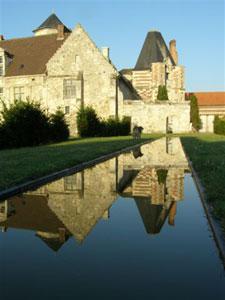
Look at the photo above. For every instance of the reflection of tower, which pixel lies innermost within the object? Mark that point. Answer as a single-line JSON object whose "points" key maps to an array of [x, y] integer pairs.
{"points": [[3, 211], [172, 213], [153, 216]]}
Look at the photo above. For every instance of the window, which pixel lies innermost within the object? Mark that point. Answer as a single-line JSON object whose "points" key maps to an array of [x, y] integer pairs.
{"points": [[67, 110], [69, 88], [19, 93], [70, 183], [74, 182], [1, 65]]}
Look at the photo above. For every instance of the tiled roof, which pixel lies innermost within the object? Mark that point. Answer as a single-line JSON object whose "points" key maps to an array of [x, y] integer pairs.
{"points": [[210, 98], [30, 55]]}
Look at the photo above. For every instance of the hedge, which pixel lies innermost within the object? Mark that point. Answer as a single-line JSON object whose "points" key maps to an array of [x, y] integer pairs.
{"points": [[90, 125], [219, 125], [24, 123]]}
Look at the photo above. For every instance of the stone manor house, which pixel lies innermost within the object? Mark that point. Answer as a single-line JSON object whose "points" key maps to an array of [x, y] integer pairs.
{"points": [[59, 67]]}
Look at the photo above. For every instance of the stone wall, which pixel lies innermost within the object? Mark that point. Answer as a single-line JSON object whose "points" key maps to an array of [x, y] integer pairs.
{"points": [[153, 116], [79, 59]]}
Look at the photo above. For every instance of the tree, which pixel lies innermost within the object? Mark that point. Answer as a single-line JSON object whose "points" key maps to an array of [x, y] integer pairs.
{"points": [[194, 112], [162, 93]]}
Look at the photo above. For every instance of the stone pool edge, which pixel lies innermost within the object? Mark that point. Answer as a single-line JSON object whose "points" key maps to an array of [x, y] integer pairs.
{"points": [[35, 183], [218, 234]]}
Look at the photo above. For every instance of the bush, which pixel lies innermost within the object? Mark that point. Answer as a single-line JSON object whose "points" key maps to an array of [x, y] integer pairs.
{"points": [[89, 124], [194, 113], [24, 124], [219, 125], [58, 128], [115, 127], [3, 139], [162, 93]]}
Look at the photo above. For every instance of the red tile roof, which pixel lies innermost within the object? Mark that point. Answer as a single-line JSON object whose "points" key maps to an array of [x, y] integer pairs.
{"points": [[30, 55], [210, 98]]}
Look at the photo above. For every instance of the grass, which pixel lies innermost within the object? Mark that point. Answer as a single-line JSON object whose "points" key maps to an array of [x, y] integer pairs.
{"points": [[207, 153], [20, 165]]}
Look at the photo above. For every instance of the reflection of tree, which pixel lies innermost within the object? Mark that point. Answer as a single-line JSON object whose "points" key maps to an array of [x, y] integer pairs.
{"points": [[162, 174]]}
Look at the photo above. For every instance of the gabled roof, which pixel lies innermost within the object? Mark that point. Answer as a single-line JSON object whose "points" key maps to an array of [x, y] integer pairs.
{"points": [[30, 55], [52, 22], [153, 50]]}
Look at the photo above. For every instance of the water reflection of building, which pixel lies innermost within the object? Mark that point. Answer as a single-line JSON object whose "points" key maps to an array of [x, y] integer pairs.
{"points": [[153, 176]]}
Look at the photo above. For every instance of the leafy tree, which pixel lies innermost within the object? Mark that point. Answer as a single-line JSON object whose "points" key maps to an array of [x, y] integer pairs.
{"points": [[219, 125], [162, 93], [88, 123], [194, 112]]}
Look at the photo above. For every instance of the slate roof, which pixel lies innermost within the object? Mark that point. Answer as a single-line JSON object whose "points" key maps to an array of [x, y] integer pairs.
{"points": [[127, 88], [153, 50], [52, 22], [30, 55]]}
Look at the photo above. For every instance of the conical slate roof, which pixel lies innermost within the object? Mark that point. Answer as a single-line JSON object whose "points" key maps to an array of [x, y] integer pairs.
{"points": [[51, 22], [153, 50]]}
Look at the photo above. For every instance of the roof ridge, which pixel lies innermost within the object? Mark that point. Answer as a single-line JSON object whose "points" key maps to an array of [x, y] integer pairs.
{"points": [[28, 37]]}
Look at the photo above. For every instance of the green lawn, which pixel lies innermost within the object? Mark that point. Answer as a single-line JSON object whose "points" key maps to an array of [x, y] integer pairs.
{"points": [[20, 165], [207, 153]]}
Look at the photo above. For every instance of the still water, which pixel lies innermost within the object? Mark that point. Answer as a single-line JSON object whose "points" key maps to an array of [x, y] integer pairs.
{"points": [[132, 227]]}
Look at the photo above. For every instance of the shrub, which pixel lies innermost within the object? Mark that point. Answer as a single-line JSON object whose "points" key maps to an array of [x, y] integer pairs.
{"points": [[115, 126], [88, 123], [194, 112], [219, 125], [3, 139], [24, 124], [162, 93], [58, 127]]}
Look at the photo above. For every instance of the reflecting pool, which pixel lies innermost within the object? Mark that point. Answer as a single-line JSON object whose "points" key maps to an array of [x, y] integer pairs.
{"points": [[132, 227]]}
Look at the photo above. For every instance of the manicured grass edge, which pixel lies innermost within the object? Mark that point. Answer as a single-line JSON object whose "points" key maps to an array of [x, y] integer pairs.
{"points": [[218, 233], [35, 183]]}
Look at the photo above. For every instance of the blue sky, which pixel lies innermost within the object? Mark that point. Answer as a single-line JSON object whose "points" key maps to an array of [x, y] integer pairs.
{"points": [[197, 25]]}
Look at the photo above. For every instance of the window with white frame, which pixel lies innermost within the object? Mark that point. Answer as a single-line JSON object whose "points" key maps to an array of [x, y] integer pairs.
{"points": [[69, 88], [19, 93]]}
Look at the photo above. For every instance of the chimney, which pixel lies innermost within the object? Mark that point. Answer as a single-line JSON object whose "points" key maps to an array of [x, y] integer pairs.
{"points": [[1, 37], [60, 29], [173, 51], [105, 52]]}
